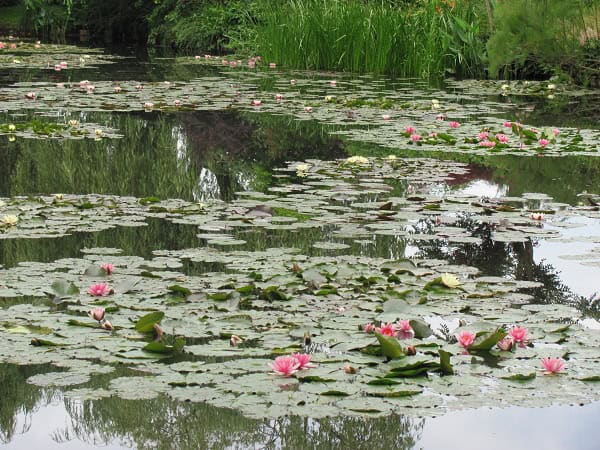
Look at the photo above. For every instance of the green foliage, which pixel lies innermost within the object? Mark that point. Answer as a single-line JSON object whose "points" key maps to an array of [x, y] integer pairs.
{"points": [[209, 26], [555, 35], [424, 39]]}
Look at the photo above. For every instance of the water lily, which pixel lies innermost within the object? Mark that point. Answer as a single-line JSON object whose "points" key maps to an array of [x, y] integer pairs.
{"points": [[507, 124], [57, 68], [435, 104], [148, 105], [386, 117], [10, 220], [551, 86], [465, 339], [440, 117], [59, 196], [90, 88], [502, 138], [415, 137], [308, 109], [98, 289], [519, 334], [357, 160], [486, 143], [30, 95], [285, 365], [98, 132], [333, 83], [350, 370], [256, 102], [410, 130], [386, 329], [537, 216], [83, 83], [392, 157], [454, 124], [506, 343], [303, 360], [177, 102], [11, 127], [278, 97], [543, 142], [97, 313], [553, 365], [433, 134], [117, 89], [450, 280], [292, 82], [403, 329], [482, 136], [73, 123], [106, 325], [370, 328], [272, 65], [555, 131], [505, 87], [107, 268], [235, 340], [301, 169], [329, 98], [139, 87]]}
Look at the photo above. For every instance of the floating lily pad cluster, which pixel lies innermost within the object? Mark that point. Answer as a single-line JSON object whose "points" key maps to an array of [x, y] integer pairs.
{"points": [[210, 336], [362, 109], [73, 129]]}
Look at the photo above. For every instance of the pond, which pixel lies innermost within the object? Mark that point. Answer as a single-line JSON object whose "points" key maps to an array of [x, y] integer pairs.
{"points": [[172, 228]]}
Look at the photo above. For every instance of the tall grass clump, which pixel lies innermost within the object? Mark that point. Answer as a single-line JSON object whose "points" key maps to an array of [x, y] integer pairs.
{"points": [[424, 38]]}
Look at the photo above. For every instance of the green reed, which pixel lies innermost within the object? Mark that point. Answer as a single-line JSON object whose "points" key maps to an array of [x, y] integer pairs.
{"points": [[423, 39]]}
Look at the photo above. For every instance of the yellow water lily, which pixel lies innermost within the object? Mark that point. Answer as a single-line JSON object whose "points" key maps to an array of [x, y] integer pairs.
{"points": [[11, 127], [10, 220], [450, 280], [391, 157], [301, 169], [73, 123]]}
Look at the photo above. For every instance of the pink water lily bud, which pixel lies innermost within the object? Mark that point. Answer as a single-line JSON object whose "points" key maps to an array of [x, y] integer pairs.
{"points": [[278, 97], [350, 370], [235, 340], [409, 130], [303, 360], [507, 124], [466, 339], [505, 344], [553, 365], [285, 365], [90, 88], [108, 268], [370, 328], [519, 334], [57, 68], [454, 124], [98, 290], [117, 89], [106, 325], [256, 102], [97, 313], [30, 95]]}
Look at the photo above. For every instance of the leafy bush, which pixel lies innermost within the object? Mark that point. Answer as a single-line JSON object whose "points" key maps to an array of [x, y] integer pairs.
{"points": [[552, 35]]}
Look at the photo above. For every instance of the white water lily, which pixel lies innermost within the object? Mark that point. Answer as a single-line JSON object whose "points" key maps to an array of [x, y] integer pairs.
{"points": [[391, 157], [301, 169], [551, 87], [450, 280], [11, 127], [10, 220], [357, 160], [58, 196], [329, 98], [505, 87], [73, 123], [98, 132]]}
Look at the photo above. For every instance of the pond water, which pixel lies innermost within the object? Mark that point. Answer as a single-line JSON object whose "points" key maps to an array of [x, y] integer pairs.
{"points": [[212, 195]]}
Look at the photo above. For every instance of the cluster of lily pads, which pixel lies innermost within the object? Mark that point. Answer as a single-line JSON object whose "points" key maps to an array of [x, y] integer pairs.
{"points": [[234, 334], [73, 129], [361, 111]]}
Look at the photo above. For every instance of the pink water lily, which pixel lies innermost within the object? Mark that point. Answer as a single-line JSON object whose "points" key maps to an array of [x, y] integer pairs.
{"points": [[403, 329], [285, 365], [99, 290], [409, 130], [433, 134], [256, 102], [502, 138], [386, 329], [303, 360], [440, 117], [519, 334], [30, 95], [333, 83], [505, 344], [107, 268], [97, 313], [370, 328], [454, 124], [507, 124], [415, 137], [278, 97], [555, 131], [486, 143], [466, 339], [482, 136], [553, 365], [177, 102], [385, 117], [272, 65], [543, 142]]}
